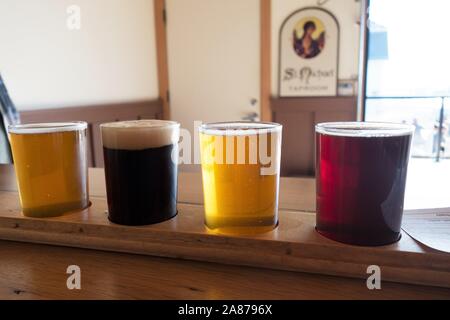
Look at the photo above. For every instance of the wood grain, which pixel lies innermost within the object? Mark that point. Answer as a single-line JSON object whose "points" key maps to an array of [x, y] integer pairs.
{"points": [[38, 271], [29, 271], [294, 245]]}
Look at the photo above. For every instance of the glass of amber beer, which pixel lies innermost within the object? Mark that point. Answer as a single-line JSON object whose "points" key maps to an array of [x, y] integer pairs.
{"points": [[141, 167], [240, 172], [50, 161]]}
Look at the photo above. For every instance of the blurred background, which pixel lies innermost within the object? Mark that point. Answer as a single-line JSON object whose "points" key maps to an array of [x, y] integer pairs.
{"points": [[216, 60]]}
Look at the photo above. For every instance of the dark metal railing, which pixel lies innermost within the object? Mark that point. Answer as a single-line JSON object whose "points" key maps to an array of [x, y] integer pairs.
{"points": [[441, 116]]}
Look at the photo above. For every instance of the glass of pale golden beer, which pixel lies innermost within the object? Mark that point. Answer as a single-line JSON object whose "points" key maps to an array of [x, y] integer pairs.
{"points": [[50, 161], [240, 172]]}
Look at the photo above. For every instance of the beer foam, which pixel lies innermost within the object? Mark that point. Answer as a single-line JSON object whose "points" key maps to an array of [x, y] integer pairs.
{"points": [[139, 134], [50, 127], [239, 128], [365, 129]]}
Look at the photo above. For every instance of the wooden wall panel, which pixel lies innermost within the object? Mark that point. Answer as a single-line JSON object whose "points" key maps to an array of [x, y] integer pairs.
{"points": [[298, 117], [296, 148], [161, 56], [94, 116], [266, 59]]}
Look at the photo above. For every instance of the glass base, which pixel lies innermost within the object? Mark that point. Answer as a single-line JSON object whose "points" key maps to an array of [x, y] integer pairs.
{"points": [[55, 210], [140, 222], [236, 231], [360, 240]]}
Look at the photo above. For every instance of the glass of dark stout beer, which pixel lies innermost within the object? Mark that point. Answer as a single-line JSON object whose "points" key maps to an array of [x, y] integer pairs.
{"points": [[141, 168], [360, 180]]}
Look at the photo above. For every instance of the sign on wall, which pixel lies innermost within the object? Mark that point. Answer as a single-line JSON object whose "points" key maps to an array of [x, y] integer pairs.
{"points": [[309, 46]]}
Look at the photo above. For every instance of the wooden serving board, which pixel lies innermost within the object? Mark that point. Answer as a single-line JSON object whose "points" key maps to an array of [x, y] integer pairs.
{"points": [[294, 245]]}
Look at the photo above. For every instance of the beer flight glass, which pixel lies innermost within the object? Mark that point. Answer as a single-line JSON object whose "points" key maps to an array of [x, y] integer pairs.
{"points": [[240, 172], [141, 167], [51, 167], [360, 179]]}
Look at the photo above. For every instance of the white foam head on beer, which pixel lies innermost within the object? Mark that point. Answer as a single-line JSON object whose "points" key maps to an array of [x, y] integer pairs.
{"points": [[139, 134]]}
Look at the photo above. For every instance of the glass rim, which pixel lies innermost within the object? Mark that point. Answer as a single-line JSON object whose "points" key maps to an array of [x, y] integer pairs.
{"points": [[231, 128], [47, 127], [365, 129], [162, 124]]}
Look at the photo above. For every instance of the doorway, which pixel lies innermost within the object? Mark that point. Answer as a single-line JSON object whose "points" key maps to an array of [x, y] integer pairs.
{"points": [[213, 59]]}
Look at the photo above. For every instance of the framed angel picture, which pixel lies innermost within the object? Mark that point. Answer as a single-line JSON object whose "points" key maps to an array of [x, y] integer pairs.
{"points": [[309, 46]]}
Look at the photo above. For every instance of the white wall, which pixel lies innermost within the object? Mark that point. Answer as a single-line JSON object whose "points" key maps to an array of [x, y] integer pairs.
{"points": [[45, 65], [346, 12], [112, 58]]}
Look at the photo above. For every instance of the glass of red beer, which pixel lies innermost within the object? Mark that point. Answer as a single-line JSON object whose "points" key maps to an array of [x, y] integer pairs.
{"points": [[360, 180]]}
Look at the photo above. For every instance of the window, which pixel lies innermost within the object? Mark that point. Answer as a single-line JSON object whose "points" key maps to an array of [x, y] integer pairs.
{"points": [[408, 74]]}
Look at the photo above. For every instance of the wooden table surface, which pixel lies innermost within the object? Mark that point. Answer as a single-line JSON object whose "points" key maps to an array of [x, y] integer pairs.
{"points": [[30, 271]]}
